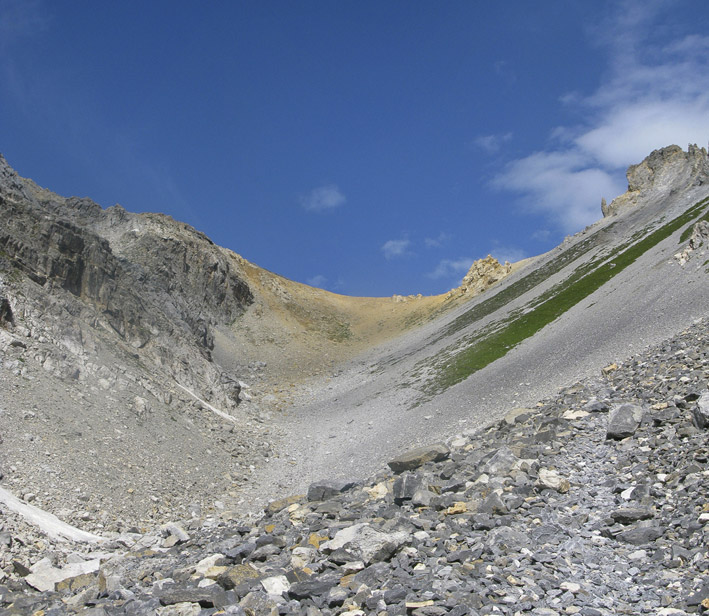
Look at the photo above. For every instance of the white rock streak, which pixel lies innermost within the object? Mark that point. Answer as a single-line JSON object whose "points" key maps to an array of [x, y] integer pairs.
{"points": [[47, 522], [214, 410]]}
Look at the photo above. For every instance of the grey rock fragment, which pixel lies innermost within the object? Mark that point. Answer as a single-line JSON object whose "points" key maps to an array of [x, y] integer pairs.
{"points": [[366, 542], [502, 461], [628, 515], [418, 457], [550, 479], [518, 415], [699, 596], [322, 490], [405, 486], [624, 421], [422, 498], [275, 585], [313, 587], [493, 505], [45, 576], [700, 413], [211, 596], [257, 602], [641, 535], [5, 539], [336, 597], [595, 406], [176, 534]]}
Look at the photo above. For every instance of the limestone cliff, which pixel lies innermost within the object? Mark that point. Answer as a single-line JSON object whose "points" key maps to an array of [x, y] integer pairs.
{"points": [[158, 287], [664, 171]]}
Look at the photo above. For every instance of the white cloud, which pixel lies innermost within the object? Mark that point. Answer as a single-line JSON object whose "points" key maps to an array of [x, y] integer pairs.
{"points": [[542, 235], [629, 131], [317, 281], [508, 253], [561, 185], [492, 143], [396, 248], [323, 198], [654, 96], [451, 268], [438, 241]]}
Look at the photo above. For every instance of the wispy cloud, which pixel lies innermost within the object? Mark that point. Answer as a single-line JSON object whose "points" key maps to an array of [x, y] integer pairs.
{"points": [[655, 95], [317, 281], [323, 198], [564, 185], [20, 19], [438, 241], [508, 253], [502, 68], [541, 235], [451, 269], [396, 248], [492, 144]]}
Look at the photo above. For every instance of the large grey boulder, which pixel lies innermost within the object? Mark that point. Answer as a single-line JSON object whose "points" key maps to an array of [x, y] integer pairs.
{"points": [[45, 576], [418, 457], [701, 411], [322, 490], [624, 420], [366, 543]]}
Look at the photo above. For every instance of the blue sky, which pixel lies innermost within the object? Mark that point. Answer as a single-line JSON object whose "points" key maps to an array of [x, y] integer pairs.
{"points": [[369, 148]]}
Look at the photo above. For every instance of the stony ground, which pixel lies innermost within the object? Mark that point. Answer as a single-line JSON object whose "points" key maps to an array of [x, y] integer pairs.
{"points": [[593, 502], [102, 452]]}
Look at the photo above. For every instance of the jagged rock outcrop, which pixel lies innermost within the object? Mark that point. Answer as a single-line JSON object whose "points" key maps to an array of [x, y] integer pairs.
{"points": [[662, 172], [698, 240], [482, 274], [158, 285]]}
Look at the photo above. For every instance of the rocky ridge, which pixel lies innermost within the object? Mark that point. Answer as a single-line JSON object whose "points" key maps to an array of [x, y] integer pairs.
{"points": [[157, 294], [131, 345], [592, 502], [661, 173], [103, 428]]}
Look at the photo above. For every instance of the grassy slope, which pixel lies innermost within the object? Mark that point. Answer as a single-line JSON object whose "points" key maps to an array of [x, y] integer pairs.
{"points": [[451, 367]]}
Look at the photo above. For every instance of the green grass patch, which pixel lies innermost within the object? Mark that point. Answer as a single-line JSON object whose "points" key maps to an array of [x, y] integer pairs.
{"points": [[688, 231], [519, 288], [454, 367], [339, 331]]}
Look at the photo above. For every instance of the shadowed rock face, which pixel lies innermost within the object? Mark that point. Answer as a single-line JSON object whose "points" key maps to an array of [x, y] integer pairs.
{"points": [[58, 253], [158, 285]]}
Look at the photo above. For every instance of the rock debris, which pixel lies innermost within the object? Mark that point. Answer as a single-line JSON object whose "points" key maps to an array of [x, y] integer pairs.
{"points": [[593, 502]]}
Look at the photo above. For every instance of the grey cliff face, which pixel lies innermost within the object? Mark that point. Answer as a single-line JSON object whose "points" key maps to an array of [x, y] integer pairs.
{"points": [[664, 171], [159, 286]]}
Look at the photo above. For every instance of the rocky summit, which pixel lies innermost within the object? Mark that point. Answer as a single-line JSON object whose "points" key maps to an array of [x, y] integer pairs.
{"points": [[183, 433]]}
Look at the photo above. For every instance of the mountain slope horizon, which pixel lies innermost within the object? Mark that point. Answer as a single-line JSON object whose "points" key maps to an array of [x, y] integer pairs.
{"points": [[157, 371]]}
